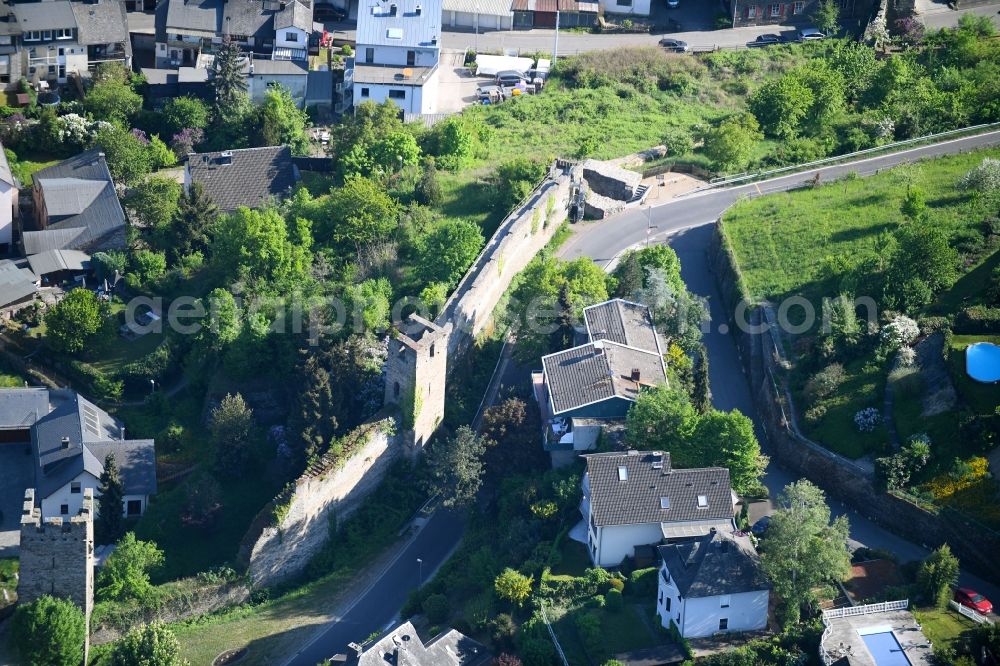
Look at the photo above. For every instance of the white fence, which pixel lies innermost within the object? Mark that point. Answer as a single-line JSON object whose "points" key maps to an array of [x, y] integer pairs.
{"points": [[552, 634], [969, 613], [867, 609]]}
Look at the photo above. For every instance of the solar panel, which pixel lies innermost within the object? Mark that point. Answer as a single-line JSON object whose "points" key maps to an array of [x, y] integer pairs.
{"points": [[91, 420]]}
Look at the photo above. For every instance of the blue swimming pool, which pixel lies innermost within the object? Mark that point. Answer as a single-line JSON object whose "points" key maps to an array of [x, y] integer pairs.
{"points": [[982, 362], [885, 649]]}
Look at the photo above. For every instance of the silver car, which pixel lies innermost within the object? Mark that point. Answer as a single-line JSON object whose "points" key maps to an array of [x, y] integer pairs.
{"points": [[810, 34]]}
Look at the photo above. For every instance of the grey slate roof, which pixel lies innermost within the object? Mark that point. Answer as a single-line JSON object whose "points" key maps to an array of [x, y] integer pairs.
{"points": [[254, 176], [91, 434], [267, 67], [375, 24], [84, 211], [319, 88], [715, 564], [194, 17], [296, 14], [52, 261], [637, 499], [103, 22], [249, 18], [402, 646], [45, 15], [623, 322], [16, 283], [598, 371]]}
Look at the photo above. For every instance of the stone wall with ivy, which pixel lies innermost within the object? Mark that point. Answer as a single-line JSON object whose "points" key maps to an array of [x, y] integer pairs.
{"points": [[296, 524]]}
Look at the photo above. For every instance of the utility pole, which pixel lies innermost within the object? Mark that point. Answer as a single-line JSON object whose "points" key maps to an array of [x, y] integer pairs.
{"points": [[555, 48], [477, 27]]}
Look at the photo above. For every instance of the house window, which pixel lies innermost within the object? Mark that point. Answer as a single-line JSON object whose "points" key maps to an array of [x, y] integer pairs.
{"points": [[661, 597], [62, 51], [369, 54], [411, 58], [291, 36], [397, 94], [64, 509], [134, 507], [724, 601], [797, 7], [667, 607], [52, 69], [32, 36], [395, 389], [775, 9], [64, 33], [74, 487], [432, 351], [364, 92], [723, 624], [752, 11], [624, 3], [47, 35], [62, 71]]}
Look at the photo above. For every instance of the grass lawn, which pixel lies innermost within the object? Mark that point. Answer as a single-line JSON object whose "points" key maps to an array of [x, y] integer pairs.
{"points": [[785, 243], [115, 353], [863, 388], [943, 627], [573, 561], [621, 631], [25, 168]]}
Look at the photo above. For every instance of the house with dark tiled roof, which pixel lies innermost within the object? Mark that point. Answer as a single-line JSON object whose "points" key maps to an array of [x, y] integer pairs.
{"points": [[248, 177], [76, 207], [638, 499], [601, 378], [70, 438], [711, 584]]}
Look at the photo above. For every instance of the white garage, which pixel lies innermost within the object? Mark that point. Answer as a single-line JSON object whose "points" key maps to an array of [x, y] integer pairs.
{"points": [[491, 14]]}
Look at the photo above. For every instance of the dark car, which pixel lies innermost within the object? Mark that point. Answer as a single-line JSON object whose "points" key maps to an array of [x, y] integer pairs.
{"points": [[765, 40], [972, 599], [761, 525], [675, 45], [327, 13], [509, 78]]}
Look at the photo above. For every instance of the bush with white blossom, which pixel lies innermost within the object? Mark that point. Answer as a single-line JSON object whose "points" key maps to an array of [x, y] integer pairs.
{"points": [[906, 357], [77, 131], [900, 331], [984, 178], [867, 419]]}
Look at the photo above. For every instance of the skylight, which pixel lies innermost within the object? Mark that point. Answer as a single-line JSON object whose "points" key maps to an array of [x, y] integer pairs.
{"points": [[664, 502], [394, 33], [622, 473], [702, 501]]}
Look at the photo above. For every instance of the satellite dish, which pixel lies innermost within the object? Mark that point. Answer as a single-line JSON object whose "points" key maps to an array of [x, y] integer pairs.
{"points": [[407, 73]]}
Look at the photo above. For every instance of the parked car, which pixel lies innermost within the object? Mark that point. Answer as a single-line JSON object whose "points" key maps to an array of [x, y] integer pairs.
{"points": [[673, 4], [810, 34], [972, 599], [675, 45], [509, 78], [765, 40], [761, 525], [325, 12]]}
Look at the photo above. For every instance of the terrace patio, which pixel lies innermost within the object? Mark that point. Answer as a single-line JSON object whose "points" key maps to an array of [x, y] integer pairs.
{"points": [[847, 627]]}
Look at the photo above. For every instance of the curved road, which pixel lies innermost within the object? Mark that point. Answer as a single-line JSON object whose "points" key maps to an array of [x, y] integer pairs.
{"points": [[687, 223]]}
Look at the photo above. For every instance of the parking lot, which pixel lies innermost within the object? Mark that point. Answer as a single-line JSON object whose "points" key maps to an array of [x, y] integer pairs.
{"points": [[15, 475], [456, 84]]}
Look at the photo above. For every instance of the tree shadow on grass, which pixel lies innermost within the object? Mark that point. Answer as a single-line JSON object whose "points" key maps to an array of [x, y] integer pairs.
{"points": [[859, 233]]}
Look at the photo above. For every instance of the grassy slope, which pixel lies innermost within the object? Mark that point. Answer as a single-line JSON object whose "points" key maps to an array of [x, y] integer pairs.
{"points": [[783, 241], [943, 627]]}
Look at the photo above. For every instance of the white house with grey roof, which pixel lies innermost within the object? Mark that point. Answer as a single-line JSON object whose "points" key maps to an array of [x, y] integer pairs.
{"points": [[185, 29], [711, 584], [292, 28], [8, 202], [70, 439], [398, 52], [638, 499], [402, 645]]}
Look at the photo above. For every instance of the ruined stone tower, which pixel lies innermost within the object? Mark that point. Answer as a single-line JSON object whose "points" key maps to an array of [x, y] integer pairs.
{"points": [[416, 370], [57, 555]]}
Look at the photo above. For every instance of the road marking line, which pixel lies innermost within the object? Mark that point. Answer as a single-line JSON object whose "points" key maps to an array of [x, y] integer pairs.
{"points": [[757, 185]]}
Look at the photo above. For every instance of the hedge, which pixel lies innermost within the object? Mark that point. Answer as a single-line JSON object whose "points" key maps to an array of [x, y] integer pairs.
{"points": [[978, 320]]}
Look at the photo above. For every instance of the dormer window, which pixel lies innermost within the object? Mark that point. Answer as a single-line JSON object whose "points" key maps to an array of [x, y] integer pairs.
{"points": [[47, 35], [64, 33], [702, 502], [33, 36]]}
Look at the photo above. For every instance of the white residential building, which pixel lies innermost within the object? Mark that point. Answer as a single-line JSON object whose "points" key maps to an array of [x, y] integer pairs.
{"points": [[637, 499], [633, 7], [712, 584], [398, 52], [8, 203]]}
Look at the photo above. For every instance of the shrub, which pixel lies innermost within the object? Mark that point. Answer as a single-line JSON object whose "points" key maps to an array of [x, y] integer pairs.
{"points": [[617, 584], [867, 419], [589, 627], [906, 382], [825, 382], [597, 601], [982, 179], [642, 583], [678, 141], [613, 601], [900, 331], [815, 414], [978, 320], [436, 608], [503, 629], [906, 357], [49, 631]]}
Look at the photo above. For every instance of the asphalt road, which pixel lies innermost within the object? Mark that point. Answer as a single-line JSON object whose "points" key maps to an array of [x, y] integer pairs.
{"points": [[687, 223], [379, 605]]}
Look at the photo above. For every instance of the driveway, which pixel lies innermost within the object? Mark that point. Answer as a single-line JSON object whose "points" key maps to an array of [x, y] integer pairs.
{"points": [[687, 224], [456, 84], [16, 474]]}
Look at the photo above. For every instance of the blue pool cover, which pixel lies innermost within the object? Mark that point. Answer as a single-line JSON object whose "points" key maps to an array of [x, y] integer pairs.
{"points": [[886, 649], [982, 362]]}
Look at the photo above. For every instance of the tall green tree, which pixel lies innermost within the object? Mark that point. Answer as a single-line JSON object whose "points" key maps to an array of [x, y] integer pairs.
{"points": [[231, 426], [255, 245], [701, 394], [128, 159], [191, 227], [661, 418], [153, 203], [456, 467], [49, 632], [114, 101], [781, 104], [358, 213], [228, 83], [827, 16], [937, 575], [125, 574], [73, 321], [727, 439], [282, 123], [804, 548], [629, 274], [110, 522], [448, 251], [428, 189], [730, 144], [185, 111], [152, 644]]}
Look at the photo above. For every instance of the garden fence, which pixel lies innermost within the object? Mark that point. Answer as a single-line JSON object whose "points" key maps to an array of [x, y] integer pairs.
{"points": [[867, 609], [552, 634], [969, 613]]}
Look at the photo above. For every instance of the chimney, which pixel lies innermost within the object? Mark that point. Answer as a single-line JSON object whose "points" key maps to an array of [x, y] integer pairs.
{"points": [[599, 347], [419, 10], [392, 9], [636, 375], [65, 442]]}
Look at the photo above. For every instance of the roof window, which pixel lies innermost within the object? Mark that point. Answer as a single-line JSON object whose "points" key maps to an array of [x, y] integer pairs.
{"points": [[702, 502], [664, 502], [622, 473]]}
